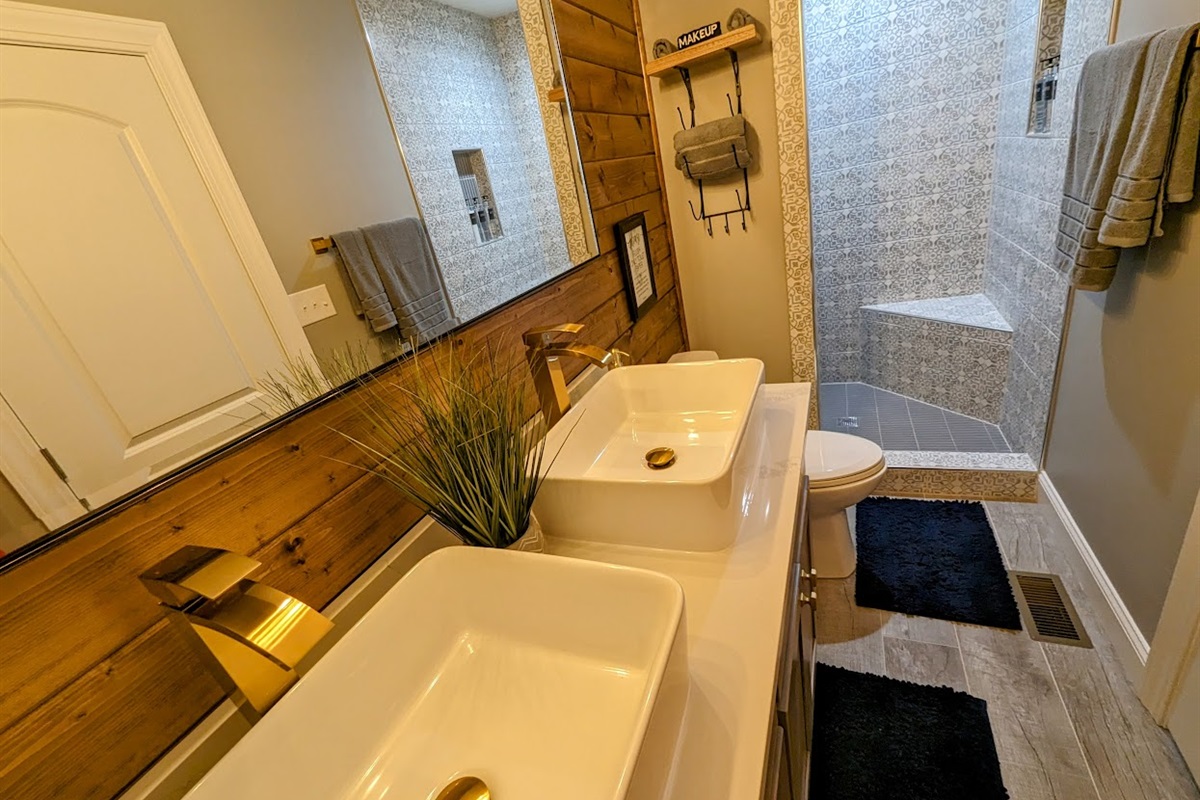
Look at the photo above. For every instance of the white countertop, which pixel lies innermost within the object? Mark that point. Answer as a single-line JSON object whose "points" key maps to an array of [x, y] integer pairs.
{"points": [[734, 602]]}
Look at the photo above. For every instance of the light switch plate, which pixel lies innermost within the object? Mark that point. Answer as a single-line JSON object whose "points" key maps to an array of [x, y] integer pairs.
{"points": [[312, 305]]}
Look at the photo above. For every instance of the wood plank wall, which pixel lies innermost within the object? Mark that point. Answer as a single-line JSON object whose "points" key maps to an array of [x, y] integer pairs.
{"points": [[93, 685]]}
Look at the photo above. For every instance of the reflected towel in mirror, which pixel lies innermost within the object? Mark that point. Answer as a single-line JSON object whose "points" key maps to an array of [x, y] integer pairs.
{"points": [[404, 260], [367, 292]]}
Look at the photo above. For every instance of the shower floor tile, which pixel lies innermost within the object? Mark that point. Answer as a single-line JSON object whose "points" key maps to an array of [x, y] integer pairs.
{"points": [[896, 422]]}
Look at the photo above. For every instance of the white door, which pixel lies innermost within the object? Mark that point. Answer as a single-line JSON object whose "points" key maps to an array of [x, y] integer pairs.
{"points": [[135, 310]]}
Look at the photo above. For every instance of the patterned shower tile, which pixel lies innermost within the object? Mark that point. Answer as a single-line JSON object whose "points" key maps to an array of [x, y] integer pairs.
{"points": [[930, 172], [964, 69], [932, 214], [1032, 165], [1020, 45], [913, 32], [956, 120]]}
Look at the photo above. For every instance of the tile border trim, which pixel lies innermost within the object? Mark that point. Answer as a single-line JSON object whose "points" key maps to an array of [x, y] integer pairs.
{"points": [[791, 118], [1013, 486]]}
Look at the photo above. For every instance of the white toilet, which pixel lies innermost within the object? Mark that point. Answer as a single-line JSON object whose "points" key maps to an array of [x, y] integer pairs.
{"points": [[842, 470]]}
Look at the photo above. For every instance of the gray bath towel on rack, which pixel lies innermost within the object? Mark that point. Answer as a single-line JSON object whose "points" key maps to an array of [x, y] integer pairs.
{"points": [[366, 287], [713, 149], [1105, 101], [1133, 127], [1161, 151], [409, 273]]}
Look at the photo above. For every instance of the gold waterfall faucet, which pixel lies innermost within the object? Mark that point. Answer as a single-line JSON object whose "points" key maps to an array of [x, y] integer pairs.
{"points": [[251, 636], [543, 354]]}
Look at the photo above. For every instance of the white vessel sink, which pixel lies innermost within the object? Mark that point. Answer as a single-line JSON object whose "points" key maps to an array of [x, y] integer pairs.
{"points": [[600, 488], [535, 673]]}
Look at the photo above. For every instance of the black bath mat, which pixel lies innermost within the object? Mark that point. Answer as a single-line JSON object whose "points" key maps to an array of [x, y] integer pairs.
{"points": [[932, 558], [878, 738]]}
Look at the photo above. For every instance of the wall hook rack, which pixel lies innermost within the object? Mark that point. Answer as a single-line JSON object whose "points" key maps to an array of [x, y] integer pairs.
{"points": [[707, 217], [743, 205], [743, 32]]}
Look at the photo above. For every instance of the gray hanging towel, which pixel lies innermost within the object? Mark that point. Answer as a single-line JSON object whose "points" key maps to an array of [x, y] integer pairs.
{"points": [[1155, 155], [409, 273], [1105, 102], [713, 149], [366, 287]]}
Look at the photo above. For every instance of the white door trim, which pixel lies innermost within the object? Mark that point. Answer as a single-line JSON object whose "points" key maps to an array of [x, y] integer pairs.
{"points": [[1177, 637], [1124, 633], [26, 24], [22, 464]]}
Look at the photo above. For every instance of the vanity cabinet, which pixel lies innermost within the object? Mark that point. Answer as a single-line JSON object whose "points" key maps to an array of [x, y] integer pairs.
{"points": [[794, 671]]}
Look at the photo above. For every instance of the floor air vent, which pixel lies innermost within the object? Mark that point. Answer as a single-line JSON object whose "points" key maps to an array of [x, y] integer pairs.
{"points": [[1047, 610]]}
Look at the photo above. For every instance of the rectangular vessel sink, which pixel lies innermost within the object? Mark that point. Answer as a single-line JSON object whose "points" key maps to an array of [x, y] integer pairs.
{"points": [[600, 487], [542, 676]]}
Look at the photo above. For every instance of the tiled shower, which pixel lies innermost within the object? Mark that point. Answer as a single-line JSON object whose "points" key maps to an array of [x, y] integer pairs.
{"points": [[935, 200], [458, 82]]}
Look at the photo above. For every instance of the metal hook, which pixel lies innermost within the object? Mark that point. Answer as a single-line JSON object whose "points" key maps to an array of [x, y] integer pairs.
{"points": [[687, 168], [736, 161], [737, 78], [695, 216], [687, 83], [726, 216], [679, 111], [708, 222], [728, 100]]}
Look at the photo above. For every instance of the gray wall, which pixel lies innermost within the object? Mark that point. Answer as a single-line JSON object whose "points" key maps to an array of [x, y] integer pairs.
{"points": [[290, 91], [902, 110], [1124, 448], [459, 81]]}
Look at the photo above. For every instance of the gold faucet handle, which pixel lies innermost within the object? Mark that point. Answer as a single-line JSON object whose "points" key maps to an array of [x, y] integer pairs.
{"points": [[619, 358], [541, 335], [192, 572]]}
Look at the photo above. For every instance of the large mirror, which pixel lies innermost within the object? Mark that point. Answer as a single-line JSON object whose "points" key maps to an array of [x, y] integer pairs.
{"points": [[203, 229]]}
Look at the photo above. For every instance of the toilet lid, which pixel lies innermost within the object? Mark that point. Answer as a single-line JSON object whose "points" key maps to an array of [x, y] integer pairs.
{"points": [[832, 458]]}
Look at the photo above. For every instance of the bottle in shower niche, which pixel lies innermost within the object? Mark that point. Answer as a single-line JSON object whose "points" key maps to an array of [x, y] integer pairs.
{"points": [[1039, 100], [1050, 91]]}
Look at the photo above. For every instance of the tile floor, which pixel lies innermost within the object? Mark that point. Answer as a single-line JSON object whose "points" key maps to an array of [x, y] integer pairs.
{"points": [[1067, 723], [896, 422]]}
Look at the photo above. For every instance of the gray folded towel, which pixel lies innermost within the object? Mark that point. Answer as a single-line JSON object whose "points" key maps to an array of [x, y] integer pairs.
{"points": [[709, 132], [1155, 153], [731, 160], [367, 292], [1105, 101], [409, 273], [713, 149]]}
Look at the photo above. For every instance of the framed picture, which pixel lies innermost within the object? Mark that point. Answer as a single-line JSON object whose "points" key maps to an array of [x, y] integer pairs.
{"points": [[633, 244]]}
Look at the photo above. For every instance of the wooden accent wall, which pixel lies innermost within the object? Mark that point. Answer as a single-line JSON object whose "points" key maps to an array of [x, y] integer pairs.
{"points": [[93, 685]]}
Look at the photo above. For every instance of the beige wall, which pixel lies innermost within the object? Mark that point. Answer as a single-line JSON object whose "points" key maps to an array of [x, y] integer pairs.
{"points": [[1124, 448], [734, 287], [289, 88]]}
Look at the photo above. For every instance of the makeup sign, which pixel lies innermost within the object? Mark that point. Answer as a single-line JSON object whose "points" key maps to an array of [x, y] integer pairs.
{"points": [[698, 35]]}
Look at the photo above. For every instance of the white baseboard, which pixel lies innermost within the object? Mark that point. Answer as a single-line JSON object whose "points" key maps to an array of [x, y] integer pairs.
{"points": [[1125, 634]]}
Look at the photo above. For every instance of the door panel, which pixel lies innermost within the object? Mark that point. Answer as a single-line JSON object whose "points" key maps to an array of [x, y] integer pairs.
{"points": [[131, 334]]}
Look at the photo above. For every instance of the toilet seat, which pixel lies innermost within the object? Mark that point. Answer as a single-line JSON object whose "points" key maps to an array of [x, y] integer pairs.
{"points": [[837, 459]]}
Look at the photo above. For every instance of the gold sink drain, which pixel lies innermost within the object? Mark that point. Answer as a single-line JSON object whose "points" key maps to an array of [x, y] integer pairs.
{"points": [[465, 789], [660, 458]]}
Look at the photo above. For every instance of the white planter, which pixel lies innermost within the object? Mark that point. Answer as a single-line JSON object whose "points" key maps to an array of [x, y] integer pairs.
{"points": [[532, 541]]}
